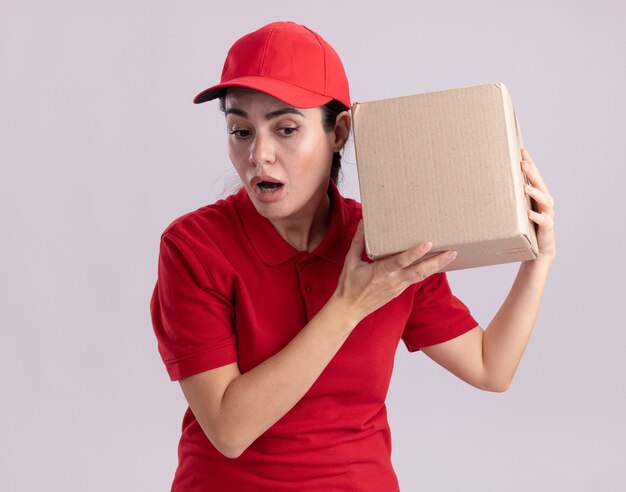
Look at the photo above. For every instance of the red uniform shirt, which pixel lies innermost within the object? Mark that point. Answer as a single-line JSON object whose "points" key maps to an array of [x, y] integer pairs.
{"points": [[231, 289]]}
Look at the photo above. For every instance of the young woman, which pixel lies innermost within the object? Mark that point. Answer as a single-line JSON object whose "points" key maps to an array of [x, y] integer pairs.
{"points": [[280, 331]]}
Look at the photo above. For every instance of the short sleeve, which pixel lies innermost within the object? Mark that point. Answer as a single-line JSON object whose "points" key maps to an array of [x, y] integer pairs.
{"points": [[436, 316], [192, 320]]}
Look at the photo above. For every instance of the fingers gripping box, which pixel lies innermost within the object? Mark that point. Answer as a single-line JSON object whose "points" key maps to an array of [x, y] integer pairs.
{"points": [[444, 167]]}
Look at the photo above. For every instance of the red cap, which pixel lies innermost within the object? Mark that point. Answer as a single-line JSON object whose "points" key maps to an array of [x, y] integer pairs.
{"points": [[287, 61]]}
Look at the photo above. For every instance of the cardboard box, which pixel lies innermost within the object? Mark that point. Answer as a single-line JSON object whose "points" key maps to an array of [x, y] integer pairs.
{"points": [[444, 167]]}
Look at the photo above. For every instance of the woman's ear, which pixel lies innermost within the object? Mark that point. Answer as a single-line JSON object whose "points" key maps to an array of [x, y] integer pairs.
{"points": [[341, 130]]}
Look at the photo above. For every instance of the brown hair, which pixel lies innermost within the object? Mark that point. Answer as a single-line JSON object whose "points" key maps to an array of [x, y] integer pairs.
{"points": [[329, 117]]}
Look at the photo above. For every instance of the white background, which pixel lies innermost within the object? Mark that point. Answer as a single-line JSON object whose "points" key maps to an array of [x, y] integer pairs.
{"points": [[101, 147]]}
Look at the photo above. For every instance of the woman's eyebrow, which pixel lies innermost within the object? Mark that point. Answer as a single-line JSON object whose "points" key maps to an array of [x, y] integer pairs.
{"points": [[268, 116], [280, 112], [238, 112]]}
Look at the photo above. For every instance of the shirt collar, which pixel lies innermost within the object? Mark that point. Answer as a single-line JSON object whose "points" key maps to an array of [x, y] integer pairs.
{"points": [[274, 250]]}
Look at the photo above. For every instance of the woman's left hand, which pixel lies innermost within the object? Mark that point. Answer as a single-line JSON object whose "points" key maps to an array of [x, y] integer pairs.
{"points": [[544, 216]]}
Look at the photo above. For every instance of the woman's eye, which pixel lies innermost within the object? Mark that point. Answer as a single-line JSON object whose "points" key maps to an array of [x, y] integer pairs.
{"points": [[286, 131], [240, 133]]}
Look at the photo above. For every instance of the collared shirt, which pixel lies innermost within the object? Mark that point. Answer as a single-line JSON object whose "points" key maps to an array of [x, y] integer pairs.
{"points": [[231, 289]]}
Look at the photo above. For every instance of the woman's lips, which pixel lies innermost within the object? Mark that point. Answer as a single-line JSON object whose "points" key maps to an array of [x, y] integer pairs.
{"points": [[259, 179], [267, 189]]}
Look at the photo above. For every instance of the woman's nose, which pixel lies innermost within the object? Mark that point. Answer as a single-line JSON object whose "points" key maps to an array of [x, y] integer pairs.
{"points": [[262, 151]]}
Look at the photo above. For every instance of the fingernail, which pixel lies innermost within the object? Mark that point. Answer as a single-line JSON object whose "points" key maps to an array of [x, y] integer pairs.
{"points": [[451, 255], [427, 246]]}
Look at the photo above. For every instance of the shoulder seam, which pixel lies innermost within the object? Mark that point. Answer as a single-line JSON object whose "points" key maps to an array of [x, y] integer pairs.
{"points": [[221, 203], [198, 257]]}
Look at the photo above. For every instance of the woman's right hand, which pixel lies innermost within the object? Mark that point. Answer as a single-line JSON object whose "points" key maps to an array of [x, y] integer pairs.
{"points": [[364, 287]]}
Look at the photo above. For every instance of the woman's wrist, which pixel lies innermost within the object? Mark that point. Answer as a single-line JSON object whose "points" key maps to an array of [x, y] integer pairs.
{"points": [[543, 261]]}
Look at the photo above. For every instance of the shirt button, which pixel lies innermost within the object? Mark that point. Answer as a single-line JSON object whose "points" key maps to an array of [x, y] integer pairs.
{"points": [[307, 288]]}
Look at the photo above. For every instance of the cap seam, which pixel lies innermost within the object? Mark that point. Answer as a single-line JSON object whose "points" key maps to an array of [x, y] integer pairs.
{"points": [[267, 42], [319, 41]]}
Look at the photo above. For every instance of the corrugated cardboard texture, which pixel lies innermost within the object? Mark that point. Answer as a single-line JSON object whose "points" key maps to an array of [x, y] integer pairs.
{"points": [[444, 167]]}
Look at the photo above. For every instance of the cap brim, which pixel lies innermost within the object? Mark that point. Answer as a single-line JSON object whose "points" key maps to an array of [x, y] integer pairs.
{"points": [[291, 94]]}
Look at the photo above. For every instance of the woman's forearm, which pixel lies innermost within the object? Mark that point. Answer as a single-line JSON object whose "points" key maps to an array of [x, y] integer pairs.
{"points": [[257, 399], [507, 335]]}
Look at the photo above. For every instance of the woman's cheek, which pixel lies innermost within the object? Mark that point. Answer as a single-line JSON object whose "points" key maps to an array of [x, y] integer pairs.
{"points": [[237, 154]]}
